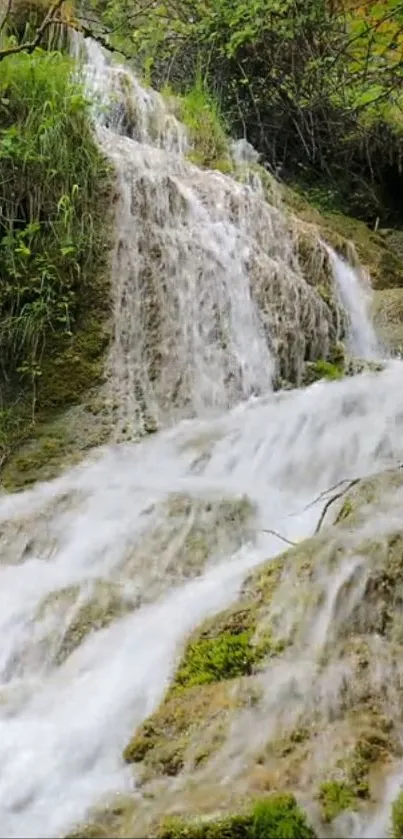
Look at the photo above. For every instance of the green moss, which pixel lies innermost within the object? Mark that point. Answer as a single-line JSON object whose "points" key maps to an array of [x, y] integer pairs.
{"points": [[345, 511], [46, 447], [397, 817], [213, 659], [105, 602], [335, 797], [277, 817], [188, 724], [373, 746], [321, 369]]}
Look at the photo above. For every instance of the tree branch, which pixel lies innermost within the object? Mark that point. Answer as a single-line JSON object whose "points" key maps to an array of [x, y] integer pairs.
{"points": [[279, 536], [335, 498], [30, 46]]}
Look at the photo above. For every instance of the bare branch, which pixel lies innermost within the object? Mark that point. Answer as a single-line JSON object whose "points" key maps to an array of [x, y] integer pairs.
{"points": [[279, 536], [333, 499], [30, 46]]}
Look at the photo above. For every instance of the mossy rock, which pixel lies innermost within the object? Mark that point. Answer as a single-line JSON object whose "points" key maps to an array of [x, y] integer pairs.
{"points": [[85, 612], [56, 443], [187, 729], [337, 748], [380, 257], [387, 311], [277, 817], [116, 819], [187, 532]]}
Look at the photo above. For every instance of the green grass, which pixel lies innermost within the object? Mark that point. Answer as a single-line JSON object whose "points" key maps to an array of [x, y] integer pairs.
{"points": [[201, 114]]}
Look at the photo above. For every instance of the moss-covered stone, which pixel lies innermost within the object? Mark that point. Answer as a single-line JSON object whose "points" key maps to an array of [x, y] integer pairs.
{"points": [[81, 613], [186, 532], [186, 729], [376, 253], [321, 369], [277, 817], [55, 443], [387, 310]]}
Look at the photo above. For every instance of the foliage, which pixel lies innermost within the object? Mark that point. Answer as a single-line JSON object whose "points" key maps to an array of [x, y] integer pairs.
{"points": [[397, 817], [315, 87], [201, 114], [279, 817], [335, 797], [274, 817], [52, 197]]}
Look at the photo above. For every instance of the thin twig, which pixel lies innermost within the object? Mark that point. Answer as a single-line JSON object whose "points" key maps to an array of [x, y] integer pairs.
{"points": [[321, 496], [334, 498], [279, 536]]}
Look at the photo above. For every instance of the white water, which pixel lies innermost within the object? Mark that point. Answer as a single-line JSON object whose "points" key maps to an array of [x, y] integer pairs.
{"points": [[63, 727], [355, 297]]}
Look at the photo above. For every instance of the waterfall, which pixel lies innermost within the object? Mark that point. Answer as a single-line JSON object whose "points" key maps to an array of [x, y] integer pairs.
{"points": [[160, 533], [210, 298], [354, 296]]}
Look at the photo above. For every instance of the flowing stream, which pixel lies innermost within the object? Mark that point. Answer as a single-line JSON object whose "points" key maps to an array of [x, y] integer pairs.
{"points": [[164, 530]]}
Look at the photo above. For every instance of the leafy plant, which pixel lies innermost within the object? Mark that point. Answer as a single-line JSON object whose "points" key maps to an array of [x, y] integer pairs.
{"points": [[52, 193], [316, 87]]}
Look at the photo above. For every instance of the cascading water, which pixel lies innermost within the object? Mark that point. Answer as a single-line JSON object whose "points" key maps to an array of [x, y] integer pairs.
{"points": [[354, 296], [142, 541], [209, 294]]}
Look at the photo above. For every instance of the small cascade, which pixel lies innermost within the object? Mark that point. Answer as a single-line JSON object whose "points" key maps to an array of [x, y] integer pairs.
{"points": [[354, 293]]}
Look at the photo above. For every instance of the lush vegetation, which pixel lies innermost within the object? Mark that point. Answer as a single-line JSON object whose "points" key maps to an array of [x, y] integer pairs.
{"points": [[54, 191], [315, 86], [201, 114], [274, 817]]}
